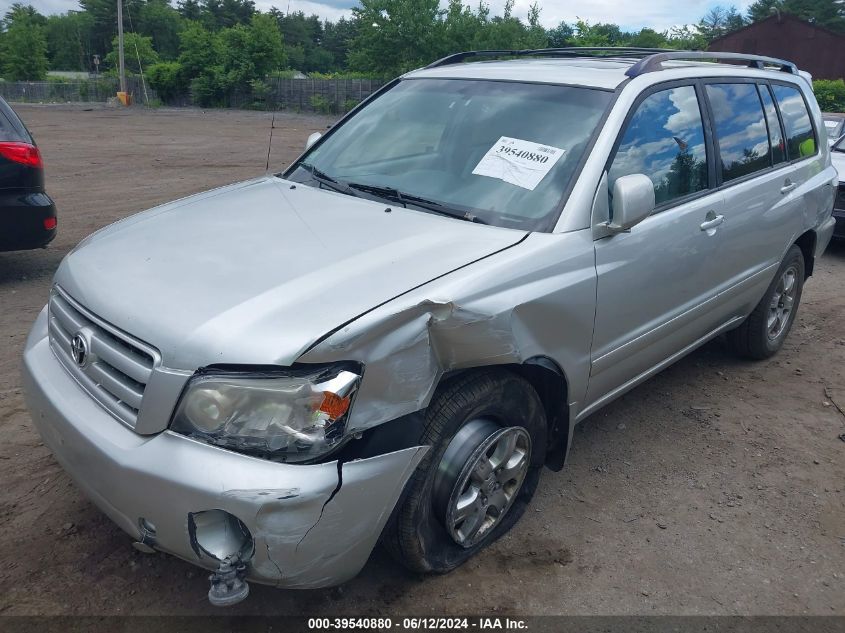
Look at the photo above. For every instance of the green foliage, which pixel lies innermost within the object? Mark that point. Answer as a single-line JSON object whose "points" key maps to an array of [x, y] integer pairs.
{"points": [[68, 41], [136, 49], [719, 21], [321, 104], [349, 104], [199, 49], [166, 78], [830, 94], [216, 63], [395, 36], [163, 23], [23, 48]]}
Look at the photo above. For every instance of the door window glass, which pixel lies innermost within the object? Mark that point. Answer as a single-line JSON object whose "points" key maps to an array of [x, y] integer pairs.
{"points": [[775, 133], [665, 141], [800, 139], [740, 127]]}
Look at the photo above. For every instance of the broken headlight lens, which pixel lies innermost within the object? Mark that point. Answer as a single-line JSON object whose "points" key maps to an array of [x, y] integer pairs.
{"points": [[295, 416]]}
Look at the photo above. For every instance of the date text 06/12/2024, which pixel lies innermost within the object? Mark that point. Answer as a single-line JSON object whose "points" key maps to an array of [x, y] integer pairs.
{"points": [[413, 624]]}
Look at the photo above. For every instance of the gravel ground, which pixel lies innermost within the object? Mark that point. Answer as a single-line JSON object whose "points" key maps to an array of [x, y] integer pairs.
{"points": [[718, 487]]}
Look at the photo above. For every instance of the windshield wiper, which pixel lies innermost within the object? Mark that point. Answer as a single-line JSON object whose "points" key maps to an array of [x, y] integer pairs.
{"points": [[393, 194], [324, 179]]}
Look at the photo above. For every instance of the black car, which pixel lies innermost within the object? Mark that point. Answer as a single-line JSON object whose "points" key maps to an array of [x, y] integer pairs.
{"points": [[837, 157], [27, 214]]}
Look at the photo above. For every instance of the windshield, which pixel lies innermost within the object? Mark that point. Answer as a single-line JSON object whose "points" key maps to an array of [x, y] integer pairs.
{"points": [[501, 153], [839, 146]]}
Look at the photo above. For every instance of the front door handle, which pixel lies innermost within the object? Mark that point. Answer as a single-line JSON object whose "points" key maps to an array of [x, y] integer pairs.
{"points": [[712, 223], [788, 186]]}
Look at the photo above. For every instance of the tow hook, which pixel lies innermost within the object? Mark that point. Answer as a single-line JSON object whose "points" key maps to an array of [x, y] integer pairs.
{"points": [[228, 586]]}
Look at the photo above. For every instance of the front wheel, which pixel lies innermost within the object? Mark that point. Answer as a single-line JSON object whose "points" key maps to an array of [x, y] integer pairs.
{"points": [[762, 334], [487, 432]]}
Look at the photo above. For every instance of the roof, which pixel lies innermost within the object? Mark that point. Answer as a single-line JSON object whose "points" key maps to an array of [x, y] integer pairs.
{"points": [[594, 72], [779, 18]]}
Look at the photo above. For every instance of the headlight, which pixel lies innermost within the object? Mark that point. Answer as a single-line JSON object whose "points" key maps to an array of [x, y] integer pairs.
{"points": [[293, 416]]}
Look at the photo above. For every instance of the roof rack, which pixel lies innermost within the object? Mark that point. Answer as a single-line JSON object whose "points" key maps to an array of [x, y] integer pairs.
{"points": [[654, 62], [651, 59], [568, 51]]}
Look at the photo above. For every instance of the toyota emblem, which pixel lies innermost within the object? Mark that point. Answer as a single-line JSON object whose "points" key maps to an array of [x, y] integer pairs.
{"points": [[79, 350]]}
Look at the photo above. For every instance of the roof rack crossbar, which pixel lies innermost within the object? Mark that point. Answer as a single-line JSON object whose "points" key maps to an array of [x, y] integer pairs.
{"points": [[569, 51], [654, 62]]}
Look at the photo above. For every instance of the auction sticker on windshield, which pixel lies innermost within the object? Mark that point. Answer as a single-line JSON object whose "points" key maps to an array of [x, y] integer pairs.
{"points": [[518, 162]]}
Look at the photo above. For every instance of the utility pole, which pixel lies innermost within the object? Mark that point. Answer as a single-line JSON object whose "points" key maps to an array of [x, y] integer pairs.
{"points": [[120, 45]]}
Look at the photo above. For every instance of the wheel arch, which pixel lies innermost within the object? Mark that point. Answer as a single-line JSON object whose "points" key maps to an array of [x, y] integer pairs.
{"points": [[807, 243]]}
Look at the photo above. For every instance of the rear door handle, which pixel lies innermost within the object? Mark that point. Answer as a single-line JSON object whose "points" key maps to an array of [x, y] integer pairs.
{"points": [[712, 223], [788, 186]]}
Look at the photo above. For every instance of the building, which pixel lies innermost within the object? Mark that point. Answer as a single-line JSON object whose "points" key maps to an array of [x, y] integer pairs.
{"points": [[818, 50]]}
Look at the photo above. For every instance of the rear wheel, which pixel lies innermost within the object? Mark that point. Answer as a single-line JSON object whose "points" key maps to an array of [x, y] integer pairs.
{"points": [[487, 431], [762, 334]]}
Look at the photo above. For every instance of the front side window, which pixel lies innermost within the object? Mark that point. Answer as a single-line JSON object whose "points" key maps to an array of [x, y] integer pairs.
{"points": [[741, 130], [664, 140], [800, 138], [502, 153]]}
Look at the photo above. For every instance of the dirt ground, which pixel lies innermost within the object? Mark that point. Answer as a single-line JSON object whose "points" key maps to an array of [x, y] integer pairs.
{"points": [[716, 488]]}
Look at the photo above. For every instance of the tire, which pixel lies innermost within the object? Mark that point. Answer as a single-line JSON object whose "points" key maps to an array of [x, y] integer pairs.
{"points": [[762, 334], [468, 413]]}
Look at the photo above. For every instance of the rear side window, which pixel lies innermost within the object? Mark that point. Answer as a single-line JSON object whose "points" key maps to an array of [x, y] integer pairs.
{"points": [[665, 141], [775, 133], [741, 130], [800, 138]]}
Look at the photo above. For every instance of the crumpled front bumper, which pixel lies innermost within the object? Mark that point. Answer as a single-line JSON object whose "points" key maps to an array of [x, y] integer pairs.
{"points": [[313, 526]]}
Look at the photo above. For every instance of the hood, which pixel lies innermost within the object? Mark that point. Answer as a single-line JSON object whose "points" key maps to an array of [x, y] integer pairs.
{"points": [[257, 272]]}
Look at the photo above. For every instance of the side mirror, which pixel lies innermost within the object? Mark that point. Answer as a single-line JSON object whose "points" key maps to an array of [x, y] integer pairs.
{"points": [[633, 201], [312, 138]]}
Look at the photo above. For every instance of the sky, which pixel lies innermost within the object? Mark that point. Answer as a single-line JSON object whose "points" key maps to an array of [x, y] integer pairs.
{"points": [[657, 14]]}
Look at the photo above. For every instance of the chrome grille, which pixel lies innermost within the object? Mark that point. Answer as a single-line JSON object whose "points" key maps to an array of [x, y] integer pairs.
{"points": [[116, 367]]}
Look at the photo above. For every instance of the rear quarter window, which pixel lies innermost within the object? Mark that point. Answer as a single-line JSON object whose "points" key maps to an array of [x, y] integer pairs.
{"points": [[800, 136]]}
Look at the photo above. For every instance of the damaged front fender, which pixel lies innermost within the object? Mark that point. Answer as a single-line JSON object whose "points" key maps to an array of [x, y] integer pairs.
{"points": [[533, 300]]}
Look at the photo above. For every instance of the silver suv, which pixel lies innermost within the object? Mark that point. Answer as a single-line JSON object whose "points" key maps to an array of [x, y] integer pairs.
{"points": [[392, 338]]}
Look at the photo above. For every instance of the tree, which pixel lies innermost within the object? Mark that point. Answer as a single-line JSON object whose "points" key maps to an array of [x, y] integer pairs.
{"points": [[69, 40], [461, 26], [189, 9], [162, 23], [686, 38], [222, 14], [166, 78], [649, 38], [719, 21], [138, 53], [24, 45], [199, 49], [395, 36], [827, 13], [536, 37], [104, 21], [762, 9], [561, 35]]}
